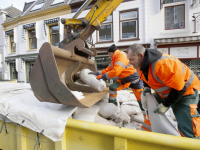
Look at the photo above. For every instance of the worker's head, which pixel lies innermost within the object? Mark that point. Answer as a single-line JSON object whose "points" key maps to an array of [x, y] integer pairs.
{"points": [[111, 50], [136, 55]]}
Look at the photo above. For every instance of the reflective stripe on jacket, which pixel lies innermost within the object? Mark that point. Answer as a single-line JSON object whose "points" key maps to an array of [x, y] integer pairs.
{"points": [[168, 72], [119, 67]]}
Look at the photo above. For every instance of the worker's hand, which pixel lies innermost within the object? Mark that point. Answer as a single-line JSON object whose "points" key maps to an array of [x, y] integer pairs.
{"points": [[146, 90], [99, 76], [96, 73], [102, 77], [161, 109]]}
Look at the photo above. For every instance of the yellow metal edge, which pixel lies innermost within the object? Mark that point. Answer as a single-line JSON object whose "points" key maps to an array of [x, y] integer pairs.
{"points": [[138, 135]]}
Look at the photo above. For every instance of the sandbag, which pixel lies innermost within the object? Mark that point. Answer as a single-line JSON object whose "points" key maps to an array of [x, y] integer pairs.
{"points": [[99, 119], [159, 122], [128, 109], [123, 96], [129, 125], [132, 97], [80, 82], [91, 80], [137, 125], [78, 95], [105, 98], [108, 110], [86, 114], [138, 118], [132, 103]]}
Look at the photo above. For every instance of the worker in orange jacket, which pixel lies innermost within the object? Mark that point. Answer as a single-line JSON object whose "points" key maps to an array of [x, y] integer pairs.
{"points": [[127, 75], [175, 86]]}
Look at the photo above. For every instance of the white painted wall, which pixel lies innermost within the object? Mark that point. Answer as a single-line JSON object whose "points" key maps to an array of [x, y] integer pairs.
{"points": [[144, 21], [22, 47], [157, 21], [2, 41]]}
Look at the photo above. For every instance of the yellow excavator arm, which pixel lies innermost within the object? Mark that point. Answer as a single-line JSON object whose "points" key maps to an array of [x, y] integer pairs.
{"points": [[54, 73], [83, 28]]}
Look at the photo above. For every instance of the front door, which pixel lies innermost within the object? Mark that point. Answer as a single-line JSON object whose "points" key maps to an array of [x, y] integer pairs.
{"points": [[13, 72], [29, 66]]}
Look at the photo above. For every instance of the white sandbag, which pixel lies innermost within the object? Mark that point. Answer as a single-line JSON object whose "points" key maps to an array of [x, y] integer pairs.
{"points": [[123, 117], [129, 125], [138, 118], [80, 82], [99, 119], [123, 96], [159, 122], [105, 99], [132, 97], [128, 109], [132, 103], [108, 110], [86, 114], [91, 80], [78, 95], [137, 125], [103, 83]]}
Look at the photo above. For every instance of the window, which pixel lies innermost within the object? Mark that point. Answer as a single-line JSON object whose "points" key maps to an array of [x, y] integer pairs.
{"points": [[57, 2], [105, 33], [37, 6], [32, 39], [171, 1], [12, 44], [102, 61], [129, 25], [54, 35], [175, 17]]}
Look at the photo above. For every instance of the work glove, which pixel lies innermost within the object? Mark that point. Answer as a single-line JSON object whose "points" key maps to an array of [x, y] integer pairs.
{"points": [[146, 90], [161, 109], [96, 73], [102, 77]]}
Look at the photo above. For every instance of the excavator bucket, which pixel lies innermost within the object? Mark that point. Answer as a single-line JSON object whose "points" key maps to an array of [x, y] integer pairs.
{"points": [[53, 75]]}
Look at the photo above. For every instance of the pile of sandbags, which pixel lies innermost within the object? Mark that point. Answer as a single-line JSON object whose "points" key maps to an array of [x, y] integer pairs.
{"points": [[127, 114]]}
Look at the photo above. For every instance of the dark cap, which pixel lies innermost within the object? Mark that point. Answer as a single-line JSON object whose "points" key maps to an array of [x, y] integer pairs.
{"points": [[112, 48]]}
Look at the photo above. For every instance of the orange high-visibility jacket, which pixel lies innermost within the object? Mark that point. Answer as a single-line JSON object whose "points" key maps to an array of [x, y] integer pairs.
{"points": [[168, 72], [119, 67]]}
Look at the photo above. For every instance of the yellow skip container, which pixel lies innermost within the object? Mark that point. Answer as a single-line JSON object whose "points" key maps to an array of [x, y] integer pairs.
{"points": [[81, 135]]}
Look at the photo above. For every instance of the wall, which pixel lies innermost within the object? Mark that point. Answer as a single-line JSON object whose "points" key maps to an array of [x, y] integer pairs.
{"points": [[157, 21], [2, 40]]}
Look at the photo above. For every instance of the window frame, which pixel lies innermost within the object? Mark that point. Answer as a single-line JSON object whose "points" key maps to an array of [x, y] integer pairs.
{"points": [[137, 25], [10, 44], [29, 46], [175, 5], [49, 34], [112, 34]]}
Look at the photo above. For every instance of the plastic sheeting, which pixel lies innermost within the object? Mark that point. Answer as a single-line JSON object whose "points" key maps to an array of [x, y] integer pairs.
{"points": [[26, 110], [159, 122]]}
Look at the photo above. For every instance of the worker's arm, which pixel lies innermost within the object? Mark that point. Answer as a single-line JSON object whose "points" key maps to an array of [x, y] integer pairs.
{"points": [[174, 96], [172, 76], [107, 69], [118, 67]]}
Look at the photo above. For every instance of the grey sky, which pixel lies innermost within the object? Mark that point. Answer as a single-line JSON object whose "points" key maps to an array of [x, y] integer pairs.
{"points": [[16, 3]]}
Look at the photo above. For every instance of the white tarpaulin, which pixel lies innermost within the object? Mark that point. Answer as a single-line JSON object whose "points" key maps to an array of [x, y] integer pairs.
{"points": [[27, 110]]}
